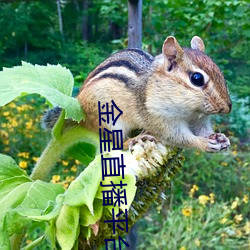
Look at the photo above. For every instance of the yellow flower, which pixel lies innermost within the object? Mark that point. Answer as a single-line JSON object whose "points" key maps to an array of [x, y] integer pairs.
{"points": [[70, 178], [65, 163], [187, 211], [24, 154], [235, 203], [65, 185], [247, 227], [55, 178], [193, 190], [6, 141], [73, 168], [183, 248], [35, 159], [6, 149], [77, 162], [238, 218], [197, 242], [29, 124], [23, 107], [245, 199], [6, 113], [224, 164], [4, 134], [14, 123], [211, 195], [203, 199], [23, 164], [223, 220], [12, 105], [234, 152]]}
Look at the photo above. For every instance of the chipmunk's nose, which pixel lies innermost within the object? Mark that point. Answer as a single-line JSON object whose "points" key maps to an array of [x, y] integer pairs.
{"points": [[227, 108]]}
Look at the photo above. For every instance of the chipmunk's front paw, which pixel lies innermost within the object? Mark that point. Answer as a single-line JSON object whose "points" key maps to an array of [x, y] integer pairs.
{"points": [[218, 142]]}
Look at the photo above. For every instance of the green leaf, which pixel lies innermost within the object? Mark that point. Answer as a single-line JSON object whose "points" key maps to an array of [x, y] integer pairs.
{"points": [[39, 194], [86, 218], [67, 226], [20, 197], [14, 223], [82, 151], [50, 234], [83, 189], [14, 198], [6, 186], [4, 240], [53, 82], [130, 190], [9, 168], [45, 216]]}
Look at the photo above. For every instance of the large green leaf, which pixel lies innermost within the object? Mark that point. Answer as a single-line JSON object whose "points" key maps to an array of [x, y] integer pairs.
{"points": [[39, 194], [53, 82], [67, 226], [20, 197], [6, 186], [84, 152]]}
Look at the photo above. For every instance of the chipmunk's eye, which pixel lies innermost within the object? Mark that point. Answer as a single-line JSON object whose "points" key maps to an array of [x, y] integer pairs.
{"points": [[197, 79]]}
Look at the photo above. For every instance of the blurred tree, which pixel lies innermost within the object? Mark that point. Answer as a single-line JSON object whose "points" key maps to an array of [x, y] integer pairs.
{"points": [[58, 2], [134, 23], [30, 31]]}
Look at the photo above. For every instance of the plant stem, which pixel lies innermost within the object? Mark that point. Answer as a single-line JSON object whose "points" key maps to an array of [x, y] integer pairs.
{"points": [[57, 147], [16, 240]]}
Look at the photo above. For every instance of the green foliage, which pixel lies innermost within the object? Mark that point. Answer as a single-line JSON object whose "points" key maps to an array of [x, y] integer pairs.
{"points": [[223, 25], [201, 223], [53, 82], [19, 196], [81, 58]]}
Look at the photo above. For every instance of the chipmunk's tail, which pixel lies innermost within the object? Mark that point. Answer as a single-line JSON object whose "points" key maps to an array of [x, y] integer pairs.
{"points": [[50, 117]]}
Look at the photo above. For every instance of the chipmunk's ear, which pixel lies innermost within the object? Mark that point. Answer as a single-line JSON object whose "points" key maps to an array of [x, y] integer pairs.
{"points": [[197, 43], [171, 49]]}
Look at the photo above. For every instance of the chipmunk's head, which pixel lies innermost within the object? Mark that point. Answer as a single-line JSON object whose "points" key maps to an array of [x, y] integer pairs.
{"points": [[197, 74]]}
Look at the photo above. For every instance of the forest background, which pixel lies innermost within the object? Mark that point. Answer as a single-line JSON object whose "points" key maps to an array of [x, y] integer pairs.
{"points": [[207, 205]]}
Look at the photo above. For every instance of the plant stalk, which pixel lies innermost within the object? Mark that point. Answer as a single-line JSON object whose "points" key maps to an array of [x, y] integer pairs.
{"points": [[57, 146]]}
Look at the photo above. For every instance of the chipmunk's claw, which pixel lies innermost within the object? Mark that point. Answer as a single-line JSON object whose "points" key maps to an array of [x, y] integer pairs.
{"points": [[218, 142], [141, 139]]}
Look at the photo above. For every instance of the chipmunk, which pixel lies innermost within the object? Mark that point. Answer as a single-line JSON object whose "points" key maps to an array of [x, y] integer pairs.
{"points": [[170, 96]]}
